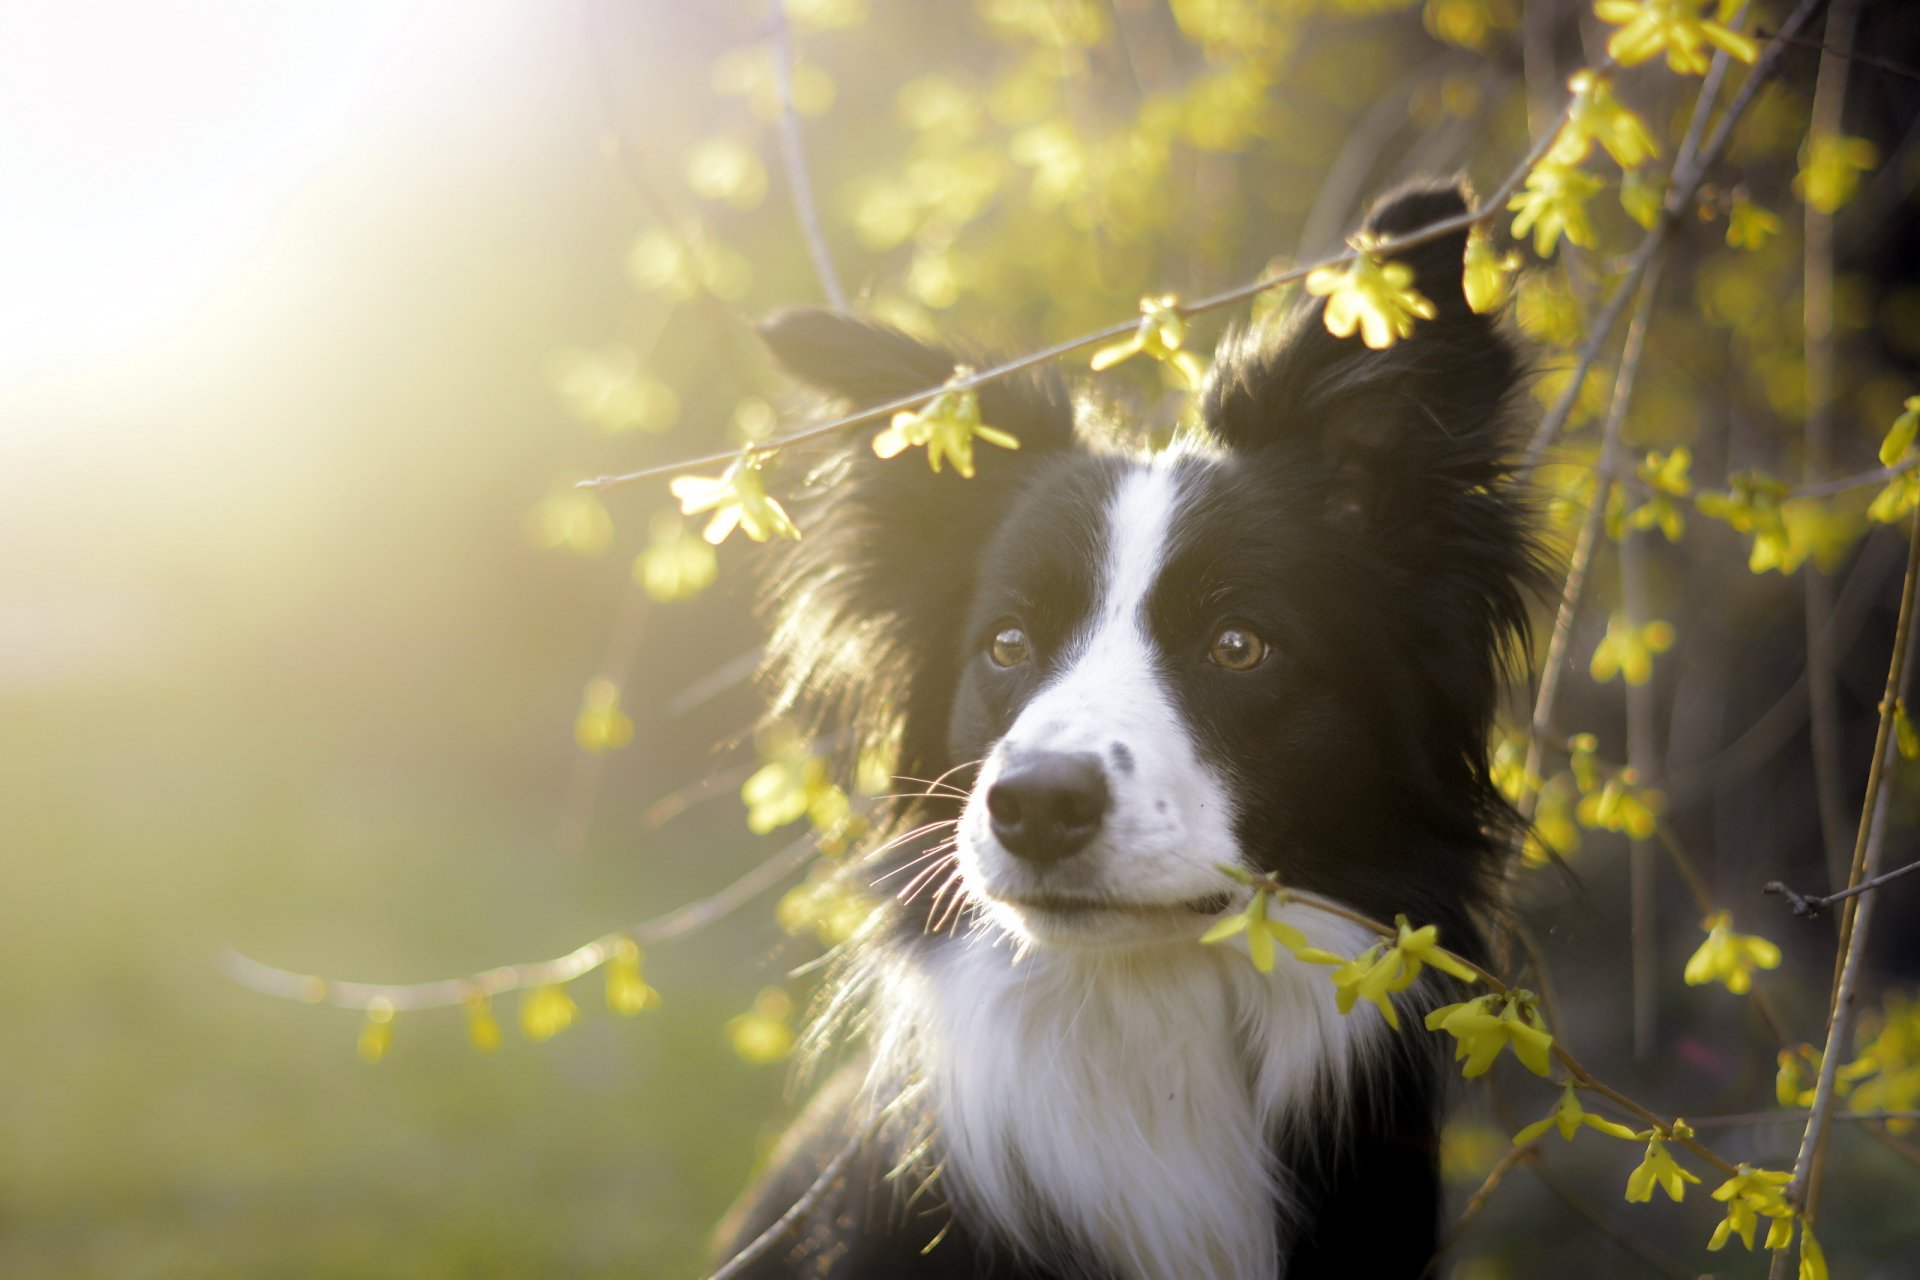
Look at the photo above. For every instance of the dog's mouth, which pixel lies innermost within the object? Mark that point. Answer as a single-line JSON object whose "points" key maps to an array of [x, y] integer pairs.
{"points": [[1068, 906]]}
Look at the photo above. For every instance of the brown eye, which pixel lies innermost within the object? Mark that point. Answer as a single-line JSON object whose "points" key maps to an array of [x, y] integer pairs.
{"points": [[1010, 647], [1237, 648]]}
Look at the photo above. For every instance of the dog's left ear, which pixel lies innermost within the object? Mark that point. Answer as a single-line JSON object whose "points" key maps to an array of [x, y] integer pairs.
{"points": [[869, 607], [1426, 413]]}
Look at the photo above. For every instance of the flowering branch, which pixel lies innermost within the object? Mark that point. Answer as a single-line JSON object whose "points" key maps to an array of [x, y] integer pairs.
{"points": [[1493, 206], [453, 992]]}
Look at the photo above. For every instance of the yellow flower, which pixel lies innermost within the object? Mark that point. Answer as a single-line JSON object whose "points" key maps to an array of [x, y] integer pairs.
{"points": [[1627, 651], [1813, 1263], [1595, 115], [1568, 1115], [1728, 957], [1752, 505], [1486, 273], [483, 1033], [1620, 804], [1893, 503], [1900, 435], [763, 1034], [676, 564], [546, 1011], [946, 425], [1665, 474], [825, 905], [737, 498], [1748, 1195], [602, 725], [1643, 196], [1554, 830], [376, 1034], [1555, 204], [1648, 27], [1161, 331], [1658, 1169], [1375, 297], [1749, 226], [1419, 948], [627, 991], [1262, 932], [1487, 1024], [1369, 976], [726, 169], [1830, 169], [794, 783], [1799, 1068]]}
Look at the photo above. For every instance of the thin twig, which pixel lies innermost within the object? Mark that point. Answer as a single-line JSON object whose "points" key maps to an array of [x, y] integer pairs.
{"points": [[1527, 1152], [793, 158], [1851, 55], [449, 992], [797, 1213], [1813, 904], [1599, 1222], [1798, 1114], [1857, 911]]}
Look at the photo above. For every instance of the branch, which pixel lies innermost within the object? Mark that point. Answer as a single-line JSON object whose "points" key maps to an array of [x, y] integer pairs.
{"points": [[1811, 905], [450, 992], [794, 160], [1857, 911], [786, 1223], [1527, 1152]]}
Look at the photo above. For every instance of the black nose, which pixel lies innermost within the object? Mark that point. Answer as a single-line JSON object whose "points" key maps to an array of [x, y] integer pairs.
{"points": [[1048, 806]]}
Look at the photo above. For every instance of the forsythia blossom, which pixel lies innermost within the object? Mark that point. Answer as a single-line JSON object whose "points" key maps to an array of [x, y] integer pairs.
{"points": [[1485, 274], [627, 990], [546, 1011], [1375, 297], [1487, 1024], [738, 499], [1658, 1169], [1675, 27], [1729, 958], [1595, 115], [1159, 335], [1750, 1195], [1554, 205], [946, 425], [1627, 650], [1568, 1116], [1262, 932]]}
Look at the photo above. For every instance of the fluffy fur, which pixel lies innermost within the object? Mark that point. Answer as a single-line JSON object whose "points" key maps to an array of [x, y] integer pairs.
{"points": [[1059, 1082]]}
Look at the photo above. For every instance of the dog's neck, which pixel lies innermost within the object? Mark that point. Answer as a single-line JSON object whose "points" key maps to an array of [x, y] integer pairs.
{"points": [[1132, 1098]]}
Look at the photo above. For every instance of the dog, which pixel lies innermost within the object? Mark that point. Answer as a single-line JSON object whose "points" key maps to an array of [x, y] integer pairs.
{"points": [[1276, 646]]}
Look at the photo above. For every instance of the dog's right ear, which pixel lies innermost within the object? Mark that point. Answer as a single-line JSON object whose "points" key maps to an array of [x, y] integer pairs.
{"points": [[870, 605]]}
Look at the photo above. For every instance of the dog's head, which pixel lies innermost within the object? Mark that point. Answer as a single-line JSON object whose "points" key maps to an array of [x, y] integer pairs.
{"points": [[1278, 647]]}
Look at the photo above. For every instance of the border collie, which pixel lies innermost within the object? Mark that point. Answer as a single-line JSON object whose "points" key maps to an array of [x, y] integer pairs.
{"points": [[1277, 646]]}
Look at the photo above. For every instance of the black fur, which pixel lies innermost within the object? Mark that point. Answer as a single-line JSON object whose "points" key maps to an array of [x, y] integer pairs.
{"points": [[1362, 519]]}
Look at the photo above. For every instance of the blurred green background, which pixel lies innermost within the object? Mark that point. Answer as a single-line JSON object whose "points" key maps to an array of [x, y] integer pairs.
{"points": [[311, 314]]}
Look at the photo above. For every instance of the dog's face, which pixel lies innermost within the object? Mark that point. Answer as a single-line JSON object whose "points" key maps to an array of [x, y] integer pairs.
{"points": [[1276, 647], [1147, 683]]}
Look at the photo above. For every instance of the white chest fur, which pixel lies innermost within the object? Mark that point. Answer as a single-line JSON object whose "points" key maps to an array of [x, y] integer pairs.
{"points": [[1129, 1097]]}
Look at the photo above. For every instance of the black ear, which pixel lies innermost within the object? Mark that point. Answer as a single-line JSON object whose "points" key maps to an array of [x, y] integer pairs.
{"points": [[1431, 408], [861, 363], [869, 606]]}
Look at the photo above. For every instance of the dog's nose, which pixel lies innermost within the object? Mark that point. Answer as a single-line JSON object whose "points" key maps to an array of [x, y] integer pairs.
{"points": [[1048, 806]]}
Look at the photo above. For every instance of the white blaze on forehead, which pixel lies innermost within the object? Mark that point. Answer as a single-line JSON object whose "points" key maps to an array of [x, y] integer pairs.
{"points": [[1140, 525], [1110, 684]]}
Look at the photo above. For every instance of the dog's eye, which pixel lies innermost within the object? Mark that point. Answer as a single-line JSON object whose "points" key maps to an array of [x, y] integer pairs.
{"points": [[1237, 648], [1010, 647]]}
